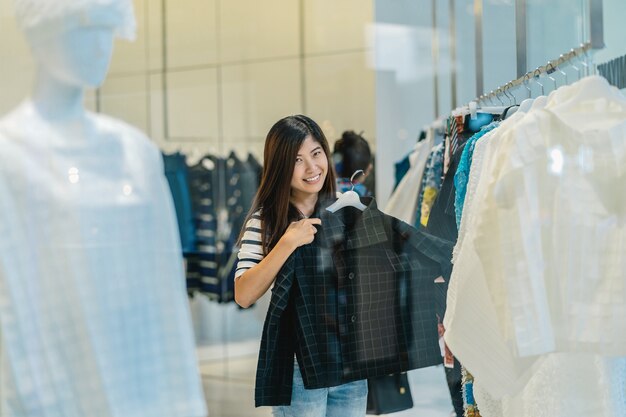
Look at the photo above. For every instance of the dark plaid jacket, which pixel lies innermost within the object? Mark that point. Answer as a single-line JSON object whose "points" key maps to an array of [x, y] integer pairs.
{"points": [[358, 302]]}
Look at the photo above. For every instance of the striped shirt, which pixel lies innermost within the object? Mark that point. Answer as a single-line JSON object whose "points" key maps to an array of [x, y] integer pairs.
{"points": [[251, 252]]}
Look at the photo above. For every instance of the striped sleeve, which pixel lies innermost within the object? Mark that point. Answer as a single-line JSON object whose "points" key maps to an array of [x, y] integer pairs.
{"points": [[251, 252]]}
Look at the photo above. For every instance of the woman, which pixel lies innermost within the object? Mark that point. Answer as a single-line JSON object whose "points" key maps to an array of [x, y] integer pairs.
{"points": [[351, 154], [297, 173]]}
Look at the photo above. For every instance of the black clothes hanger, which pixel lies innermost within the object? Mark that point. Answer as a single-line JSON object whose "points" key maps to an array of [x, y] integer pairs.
{"points": [[506, 111]]}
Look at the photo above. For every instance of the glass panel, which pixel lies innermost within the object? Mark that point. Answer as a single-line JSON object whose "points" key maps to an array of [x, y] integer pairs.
{"points": [[444, 63], [246, 91], [197, 88], [554, 27], [465, 51], [499, 53], [340, 94], [613, 12]]}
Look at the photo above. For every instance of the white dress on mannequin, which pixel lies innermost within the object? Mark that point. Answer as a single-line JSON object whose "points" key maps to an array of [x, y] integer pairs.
{"points": [[93, 310]]}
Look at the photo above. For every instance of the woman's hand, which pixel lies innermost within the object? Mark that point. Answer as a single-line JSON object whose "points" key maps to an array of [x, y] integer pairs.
{"points": [[255, 282], [301, 232]]}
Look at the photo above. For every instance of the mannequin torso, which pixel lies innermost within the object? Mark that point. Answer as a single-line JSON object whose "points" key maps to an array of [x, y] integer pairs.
{"points": [[93, 309]]}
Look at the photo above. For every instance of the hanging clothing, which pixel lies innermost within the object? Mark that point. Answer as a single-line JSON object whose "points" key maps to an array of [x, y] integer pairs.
{"points": [[559, 385], [177, 178], [358, 302], [94, 316], [552, 283], [403, 201], [222, 193], [431, 184], [400, 169], [241, 184], [202, 265], [461, 177], [442, 221]]}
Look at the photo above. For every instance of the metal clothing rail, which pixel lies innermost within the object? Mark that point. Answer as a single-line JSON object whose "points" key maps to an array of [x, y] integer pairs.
{"points": [[596, 41], [549, 68]]}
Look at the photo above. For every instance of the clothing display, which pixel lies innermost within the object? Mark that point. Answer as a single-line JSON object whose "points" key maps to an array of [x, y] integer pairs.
{"points": [[461, 177], [403, 202], [202, 264], [212, 204], [441, 223], [400, 169], [93, 313], [177, 177], [431, 183], [535, 299], [358, 302]]}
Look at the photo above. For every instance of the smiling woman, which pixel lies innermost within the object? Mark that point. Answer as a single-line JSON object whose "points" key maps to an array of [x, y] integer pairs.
{"points": [[296, 176]]}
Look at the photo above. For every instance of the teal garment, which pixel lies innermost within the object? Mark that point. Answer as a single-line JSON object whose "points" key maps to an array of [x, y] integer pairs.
{"points": [[177, 178], [461, 177]]}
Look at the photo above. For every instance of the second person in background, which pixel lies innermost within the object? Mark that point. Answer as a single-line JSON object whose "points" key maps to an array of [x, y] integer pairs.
{"points": [[350, 154]]}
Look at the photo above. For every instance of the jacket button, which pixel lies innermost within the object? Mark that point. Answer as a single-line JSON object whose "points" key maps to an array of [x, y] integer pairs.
{"points": [[353, 319], [351, 275]]}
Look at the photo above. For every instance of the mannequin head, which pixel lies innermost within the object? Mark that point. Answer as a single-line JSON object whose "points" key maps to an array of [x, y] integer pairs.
{"points": [[78, 57], [40, 19], [72, 40]]}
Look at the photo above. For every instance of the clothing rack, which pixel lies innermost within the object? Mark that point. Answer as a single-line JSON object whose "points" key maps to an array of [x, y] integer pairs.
{"points": [[549, 68], [614, 71]]}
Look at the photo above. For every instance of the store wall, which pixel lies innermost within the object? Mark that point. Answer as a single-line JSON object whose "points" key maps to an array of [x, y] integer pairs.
{"points": [[614, 12], [404, 82], [553, 28], [214, 75]]}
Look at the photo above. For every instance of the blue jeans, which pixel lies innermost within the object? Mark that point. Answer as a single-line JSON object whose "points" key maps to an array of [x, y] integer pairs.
{"points": [[347, 400]]}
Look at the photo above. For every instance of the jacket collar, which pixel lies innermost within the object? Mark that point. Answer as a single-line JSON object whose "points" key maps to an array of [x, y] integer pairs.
{"points": [[368, 228]]}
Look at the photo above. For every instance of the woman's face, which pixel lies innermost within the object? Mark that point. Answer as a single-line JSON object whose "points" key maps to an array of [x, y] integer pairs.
{"points": [[310, 170]]}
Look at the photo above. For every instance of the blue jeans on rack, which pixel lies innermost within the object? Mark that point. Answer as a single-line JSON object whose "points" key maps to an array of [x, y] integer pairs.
{"points": [[346, 400]]}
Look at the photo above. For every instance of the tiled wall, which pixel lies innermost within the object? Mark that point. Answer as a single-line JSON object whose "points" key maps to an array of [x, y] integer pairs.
{"points": [[227, 71]]}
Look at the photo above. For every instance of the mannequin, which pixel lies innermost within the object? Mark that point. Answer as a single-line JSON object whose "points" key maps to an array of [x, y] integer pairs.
{"points": [[93, 310]]}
